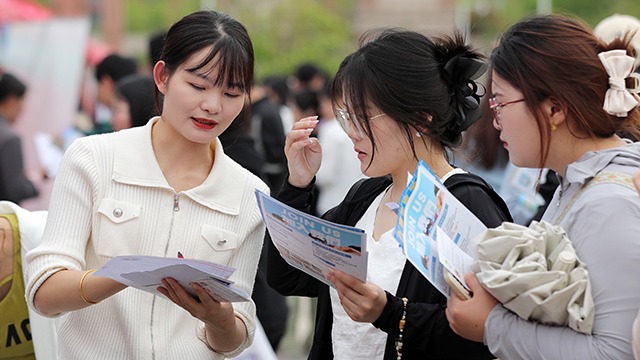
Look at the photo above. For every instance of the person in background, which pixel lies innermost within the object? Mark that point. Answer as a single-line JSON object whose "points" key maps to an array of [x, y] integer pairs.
{"points": [[14, 184], [266, 129], [134, 102], [108, 72], [160, 189], [278, 91], [14, 314], [559, 99], [401, 98], [271, 307], [308, 76]]}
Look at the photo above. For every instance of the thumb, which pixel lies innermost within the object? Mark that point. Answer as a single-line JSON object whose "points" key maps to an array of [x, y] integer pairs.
{"points": [[472, 281]]}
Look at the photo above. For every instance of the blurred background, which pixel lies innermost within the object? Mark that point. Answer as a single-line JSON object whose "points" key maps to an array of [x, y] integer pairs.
{"points": [[54, 47]]}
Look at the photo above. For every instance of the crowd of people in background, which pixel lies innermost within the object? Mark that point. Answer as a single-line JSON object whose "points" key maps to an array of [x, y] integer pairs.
{"points": [[294, 136]]}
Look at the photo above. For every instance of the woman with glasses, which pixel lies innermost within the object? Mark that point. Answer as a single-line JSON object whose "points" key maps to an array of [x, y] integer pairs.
{"points": [[400, 97], [560, 96]]}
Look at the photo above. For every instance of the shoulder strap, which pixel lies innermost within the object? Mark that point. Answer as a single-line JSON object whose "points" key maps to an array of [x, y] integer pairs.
{"points": [[472, 179], [343, 212], [609, 177]]}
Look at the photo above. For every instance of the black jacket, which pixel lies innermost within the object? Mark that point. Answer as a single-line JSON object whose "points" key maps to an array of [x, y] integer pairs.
{"points": [[427, 333]]}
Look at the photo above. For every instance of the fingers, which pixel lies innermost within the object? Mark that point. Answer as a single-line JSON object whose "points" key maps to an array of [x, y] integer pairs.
{"points": [[300, 131], [472, 280], [362, 301]]}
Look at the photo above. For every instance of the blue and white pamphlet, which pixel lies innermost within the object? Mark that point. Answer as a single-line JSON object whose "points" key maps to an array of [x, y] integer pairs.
{"points": [[312, 244], [435, 230]]}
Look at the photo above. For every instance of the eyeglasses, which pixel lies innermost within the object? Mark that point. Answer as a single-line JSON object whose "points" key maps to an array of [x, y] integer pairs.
{"points": [[346, 122], [496, 106]]}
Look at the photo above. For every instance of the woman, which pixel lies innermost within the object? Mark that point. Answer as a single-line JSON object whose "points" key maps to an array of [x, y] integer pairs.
{"points": [[401, 97], [14, 184], [559, 99], [160, 189], [134, 103]]}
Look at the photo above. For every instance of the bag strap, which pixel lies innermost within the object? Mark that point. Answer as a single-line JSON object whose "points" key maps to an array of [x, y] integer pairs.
{"points": [[608, 177], [342, 215], [472, 179]]}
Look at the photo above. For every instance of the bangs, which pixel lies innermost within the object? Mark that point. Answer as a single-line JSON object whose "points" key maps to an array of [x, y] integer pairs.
{"points": [[235, 68], [354, 86]]}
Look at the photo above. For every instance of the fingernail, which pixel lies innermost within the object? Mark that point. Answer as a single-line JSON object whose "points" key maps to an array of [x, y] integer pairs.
{"points": [[308, 131]]}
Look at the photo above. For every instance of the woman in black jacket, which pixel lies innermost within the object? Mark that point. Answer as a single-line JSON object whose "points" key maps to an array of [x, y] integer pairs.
{"points": [[401, 97]]}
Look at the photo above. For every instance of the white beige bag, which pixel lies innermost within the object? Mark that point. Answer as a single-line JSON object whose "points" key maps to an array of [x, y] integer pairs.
{"points": [[534, 272]]}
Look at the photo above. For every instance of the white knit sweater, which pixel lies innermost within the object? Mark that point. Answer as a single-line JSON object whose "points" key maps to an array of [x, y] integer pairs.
{"points": [[110, 198]]}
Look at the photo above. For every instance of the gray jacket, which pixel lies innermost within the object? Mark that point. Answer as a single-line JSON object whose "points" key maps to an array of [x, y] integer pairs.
{"points": [[603, 223]]}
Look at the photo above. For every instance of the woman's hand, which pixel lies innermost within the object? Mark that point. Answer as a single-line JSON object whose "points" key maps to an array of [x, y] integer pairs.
{"points": [[363, 302], [467, 317], [225, 332], [304, 153]]}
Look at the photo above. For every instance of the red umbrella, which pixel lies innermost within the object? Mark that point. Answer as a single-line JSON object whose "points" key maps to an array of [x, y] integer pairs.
{"points": [[21, 10]]}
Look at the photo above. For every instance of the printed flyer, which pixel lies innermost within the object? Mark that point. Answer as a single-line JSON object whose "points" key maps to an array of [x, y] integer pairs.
{"points": [[312, 244], [146, 273], [428, 212]]}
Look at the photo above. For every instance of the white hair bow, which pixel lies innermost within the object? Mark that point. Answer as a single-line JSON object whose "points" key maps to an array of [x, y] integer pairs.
{"points": [[618, 100]]}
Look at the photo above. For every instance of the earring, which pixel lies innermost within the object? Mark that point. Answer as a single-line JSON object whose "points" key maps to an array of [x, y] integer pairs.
{"points": [[554, 127], [418, 134]]}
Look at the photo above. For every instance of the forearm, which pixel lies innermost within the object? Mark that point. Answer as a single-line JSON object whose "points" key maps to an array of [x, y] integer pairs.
{"points": [[225, 338], [61, 291], [510, 337]]}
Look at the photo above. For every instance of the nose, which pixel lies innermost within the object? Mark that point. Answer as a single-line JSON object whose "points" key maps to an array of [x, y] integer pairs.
{"points": [[212, 103]]}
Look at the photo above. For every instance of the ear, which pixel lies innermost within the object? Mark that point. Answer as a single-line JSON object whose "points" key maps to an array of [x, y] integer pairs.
{"points": [[422, 129], [161, 76], [555, 110]]}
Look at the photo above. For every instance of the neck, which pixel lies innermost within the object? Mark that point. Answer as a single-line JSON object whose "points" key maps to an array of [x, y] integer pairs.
{"points": [[572, 150], [174, 150]]}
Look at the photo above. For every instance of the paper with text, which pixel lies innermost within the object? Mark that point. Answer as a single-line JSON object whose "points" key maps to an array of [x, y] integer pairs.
{"points": [[428, 209], [312, 244], [146, 273]]}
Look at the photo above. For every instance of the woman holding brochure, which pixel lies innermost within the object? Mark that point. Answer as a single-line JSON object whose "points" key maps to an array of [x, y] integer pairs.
{"points": [[160, 189], [400, 97], [560, 95]]}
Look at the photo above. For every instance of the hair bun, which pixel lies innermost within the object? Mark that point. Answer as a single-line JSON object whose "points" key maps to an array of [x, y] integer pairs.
{"points": [[463, 71]]}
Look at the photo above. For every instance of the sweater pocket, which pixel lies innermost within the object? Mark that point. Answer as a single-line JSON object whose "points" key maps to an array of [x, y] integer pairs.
{"points": [[119, 227], [222, 242]]}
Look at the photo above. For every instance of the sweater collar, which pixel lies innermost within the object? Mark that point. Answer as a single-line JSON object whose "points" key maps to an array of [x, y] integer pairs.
{"points": [[135, 164]]}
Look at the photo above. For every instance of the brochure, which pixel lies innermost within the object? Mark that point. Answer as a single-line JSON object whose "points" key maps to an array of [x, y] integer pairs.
{"points": [[312, 244], [146, 273], [435, 230]]}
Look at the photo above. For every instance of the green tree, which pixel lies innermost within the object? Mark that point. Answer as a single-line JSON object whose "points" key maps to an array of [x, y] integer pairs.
{"points": [[286, 33]]}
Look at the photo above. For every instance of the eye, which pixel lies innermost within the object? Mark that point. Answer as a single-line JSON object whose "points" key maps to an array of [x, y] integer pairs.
{"points": [[197, 87]]}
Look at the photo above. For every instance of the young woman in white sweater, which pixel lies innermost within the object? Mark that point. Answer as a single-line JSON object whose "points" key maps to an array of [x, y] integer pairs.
{"points": [[160, 189]]}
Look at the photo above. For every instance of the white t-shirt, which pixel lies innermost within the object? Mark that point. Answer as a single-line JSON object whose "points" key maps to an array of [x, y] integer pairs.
{"points": [[355, 340]]}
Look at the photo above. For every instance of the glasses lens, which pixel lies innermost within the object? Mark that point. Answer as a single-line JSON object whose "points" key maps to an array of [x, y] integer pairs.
{"points": [[493, 103], [343, 119], [495, 106]]}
